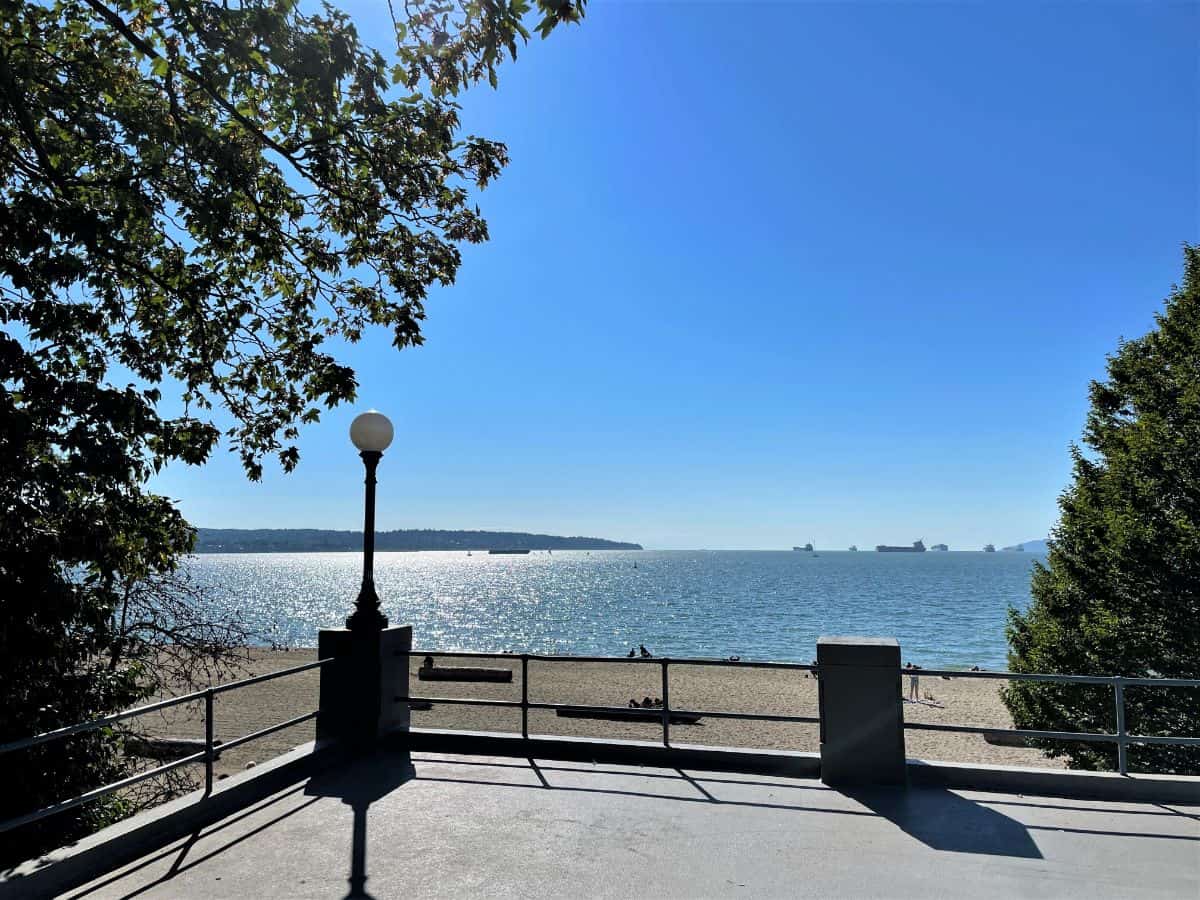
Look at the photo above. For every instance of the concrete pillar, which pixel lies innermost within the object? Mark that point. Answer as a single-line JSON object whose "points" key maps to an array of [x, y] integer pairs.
{"points": [[357, 692], [862, 715]]}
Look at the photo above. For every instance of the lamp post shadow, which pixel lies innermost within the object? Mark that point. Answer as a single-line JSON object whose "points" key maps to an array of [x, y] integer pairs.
{"points": [[367, 779]]}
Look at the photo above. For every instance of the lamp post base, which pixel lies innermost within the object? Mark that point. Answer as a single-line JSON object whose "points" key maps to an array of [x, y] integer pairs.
{"points": [[367, 614], [366, 620], [358, 691]]}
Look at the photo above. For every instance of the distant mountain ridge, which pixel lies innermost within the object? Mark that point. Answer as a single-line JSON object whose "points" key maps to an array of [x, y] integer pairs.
{"points": [[1038, 546], [320, 540]]}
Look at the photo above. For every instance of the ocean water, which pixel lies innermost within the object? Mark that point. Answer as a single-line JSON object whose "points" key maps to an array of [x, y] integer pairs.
{"points": [[946, 609]]}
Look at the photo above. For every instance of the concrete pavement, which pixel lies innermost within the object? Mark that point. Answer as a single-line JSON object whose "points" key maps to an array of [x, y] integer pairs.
{"points": [[474, 827]]}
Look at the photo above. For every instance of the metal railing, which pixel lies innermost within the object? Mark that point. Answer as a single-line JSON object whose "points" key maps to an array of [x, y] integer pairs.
{"points": [[211, 752], [665, 712], [1118, 683], [1121, 737], [213, 749]]}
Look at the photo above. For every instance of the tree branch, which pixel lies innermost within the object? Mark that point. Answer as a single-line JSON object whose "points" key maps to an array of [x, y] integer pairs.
{"points": [[146, 48]]}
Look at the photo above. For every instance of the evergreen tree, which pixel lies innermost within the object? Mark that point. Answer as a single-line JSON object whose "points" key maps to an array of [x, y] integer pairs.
{"points": [[1120, 593]]}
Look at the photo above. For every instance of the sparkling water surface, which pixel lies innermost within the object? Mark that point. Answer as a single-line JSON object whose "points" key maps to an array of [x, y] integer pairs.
{"points": [[946, 609]]}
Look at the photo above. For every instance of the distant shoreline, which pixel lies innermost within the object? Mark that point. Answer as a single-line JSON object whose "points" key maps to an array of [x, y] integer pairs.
{"points": [[317, 540]]}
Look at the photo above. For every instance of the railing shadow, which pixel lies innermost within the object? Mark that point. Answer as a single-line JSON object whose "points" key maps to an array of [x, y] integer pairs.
{"points": [[358, 786], [182, 851], [938, 818]]}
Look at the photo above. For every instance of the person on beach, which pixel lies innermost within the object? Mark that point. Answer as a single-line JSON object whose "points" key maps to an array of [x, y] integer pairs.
{"points": [[632, 653], [646, 654], [914, 682]]}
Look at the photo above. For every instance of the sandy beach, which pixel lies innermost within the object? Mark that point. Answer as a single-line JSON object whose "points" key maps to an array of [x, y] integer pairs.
{"points": [[956, 701]]}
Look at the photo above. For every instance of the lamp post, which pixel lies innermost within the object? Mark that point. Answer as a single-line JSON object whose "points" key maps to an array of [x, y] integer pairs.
{"points": [[371, 433]]}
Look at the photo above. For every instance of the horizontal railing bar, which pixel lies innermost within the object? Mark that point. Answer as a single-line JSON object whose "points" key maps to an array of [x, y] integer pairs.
{"points": [[1157, 739], [460, 654], [101, 722], [99, 792], [258, 679], [653, 660], [468, 701], [1016, 732], [263, 732], [1064, 679], [82, 727], [532, 705], [464, 701], [1058, 735], [1009, 676], [758, 717], [734, 663]]}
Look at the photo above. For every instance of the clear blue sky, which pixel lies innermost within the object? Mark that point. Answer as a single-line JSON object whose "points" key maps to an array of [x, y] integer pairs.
{"points": [[769, 273]]}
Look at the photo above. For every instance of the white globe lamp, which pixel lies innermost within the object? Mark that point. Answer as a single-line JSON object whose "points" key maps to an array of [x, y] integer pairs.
{"points": [[371, 432]]}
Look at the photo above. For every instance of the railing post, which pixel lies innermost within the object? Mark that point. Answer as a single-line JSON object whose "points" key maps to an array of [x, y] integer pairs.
{"points": [[525, 695], [862, 716], [666, 709], [208, 741], [1119, 696]]}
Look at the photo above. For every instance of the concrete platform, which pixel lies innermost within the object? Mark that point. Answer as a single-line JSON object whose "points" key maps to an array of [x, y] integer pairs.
{"points": [[475, 827]]}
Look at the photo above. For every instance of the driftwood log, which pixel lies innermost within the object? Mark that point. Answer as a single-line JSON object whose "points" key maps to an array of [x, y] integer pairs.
{"points": [[463, 673], [163, 747], [1005, 739], [632, 714]]}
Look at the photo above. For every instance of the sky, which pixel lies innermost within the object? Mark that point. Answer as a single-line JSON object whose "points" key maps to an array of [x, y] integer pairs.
{"points": [[769, 273]]}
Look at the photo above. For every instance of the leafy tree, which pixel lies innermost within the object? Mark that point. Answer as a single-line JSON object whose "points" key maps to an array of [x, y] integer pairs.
{"points": [[198, 199], [1120, 594]]}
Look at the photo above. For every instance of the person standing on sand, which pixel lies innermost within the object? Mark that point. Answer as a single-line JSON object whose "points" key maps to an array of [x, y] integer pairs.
{"points": [[914, 682]]}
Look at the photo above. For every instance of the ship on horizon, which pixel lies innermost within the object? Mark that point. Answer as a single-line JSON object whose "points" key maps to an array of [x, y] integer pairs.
{"points": [[807, 548], [918, 546]]}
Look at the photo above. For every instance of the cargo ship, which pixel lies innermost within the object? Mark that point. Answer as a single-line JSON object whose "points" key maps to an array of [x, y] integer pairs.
{"points": [[917, 547], [807, 548], [942, 547], [989, 548], [507, 552]]}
